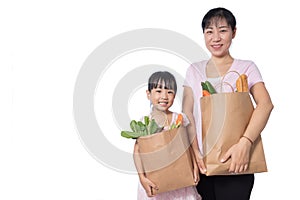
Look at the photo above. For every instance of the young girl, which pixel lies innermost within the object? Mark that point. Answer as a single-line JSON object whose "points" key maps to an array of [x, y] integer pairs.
{"points": [[161, 92]]}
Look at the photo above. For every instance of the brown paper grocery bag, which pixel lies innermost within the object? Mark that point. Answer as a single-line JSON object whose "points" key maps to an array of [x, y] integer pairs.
{"points": [[225, 117], [166, 159]]}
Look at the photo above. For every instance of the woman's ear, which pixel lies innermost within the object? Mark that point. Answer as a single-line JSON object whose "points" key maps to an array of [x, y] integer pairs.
{"points": [[234, 33]]}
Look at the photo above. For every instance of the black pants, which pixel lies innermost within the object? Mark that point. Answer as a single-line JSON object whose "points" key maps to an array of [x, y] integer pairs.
{"points": [[234, 187]]}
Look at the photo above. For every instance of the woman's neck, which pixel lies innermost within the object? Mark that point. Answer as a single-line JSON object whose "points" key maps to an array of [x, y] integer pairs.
{"points": [[221, 61], [218, 66]]}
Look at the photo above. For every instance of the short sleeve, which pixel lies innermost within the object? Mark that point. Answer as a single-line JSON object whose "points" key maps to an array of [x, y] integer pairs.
{"points": [[246, 67], [186, 121], [254, 75]]}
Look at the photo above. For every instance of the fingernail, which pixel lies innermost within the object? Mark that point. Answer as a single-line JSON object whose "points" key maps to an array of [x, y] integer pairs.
{"points": [[222, 160]]}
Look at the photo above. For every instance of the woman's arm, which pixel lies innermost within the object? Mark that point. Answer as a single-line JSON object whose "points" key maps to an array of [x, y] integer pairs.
{"points": [[187, 106], [261, 113], [240, 152]]}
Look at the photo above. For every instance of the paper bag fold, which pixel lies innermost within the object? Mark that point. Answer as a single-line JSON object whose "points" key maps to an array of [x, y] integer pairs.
{"points": [[167, 160], [225, 117]]}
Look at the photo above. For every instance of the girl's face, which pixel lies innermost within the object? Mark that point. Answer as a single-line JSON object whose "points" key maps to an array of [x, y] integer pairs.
{"points": [[162, 99], [218, 37]]}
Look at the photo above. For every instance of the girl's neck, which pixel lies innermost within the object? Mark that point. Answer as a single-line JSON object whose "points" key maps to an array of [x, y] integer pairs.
{"points": [[168, 115]]}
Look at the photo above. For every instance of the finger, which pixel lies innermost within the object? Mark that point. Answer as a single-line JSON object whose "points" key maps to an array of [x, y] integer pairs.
{"points": [[226, 156], [237, 168], [149, 192], [195, 177], [245, 167], [242, 167], [153, 186], [202, 170], [232, 167], [201, 166]]}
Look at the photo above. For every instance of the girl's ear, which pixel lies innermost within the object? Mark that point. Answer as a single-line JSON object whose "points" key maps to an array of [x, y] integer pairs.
{"points": [[148, 94]]}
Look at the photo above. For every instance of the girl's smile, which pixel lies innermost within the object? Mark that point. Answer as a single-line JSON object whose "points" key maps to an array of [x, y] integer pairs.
{"points": [[161, 98]]}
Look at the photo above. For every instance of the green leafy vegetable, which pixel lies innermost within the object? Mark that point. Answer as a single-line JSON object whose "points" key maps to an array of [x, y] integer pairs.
{"points": [[141, 129]]}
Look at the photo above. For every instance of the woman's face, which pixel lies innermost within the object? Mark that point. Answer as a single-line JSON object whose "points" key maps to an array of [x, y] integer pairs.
{"points": [[161, 99], [218, 36]]}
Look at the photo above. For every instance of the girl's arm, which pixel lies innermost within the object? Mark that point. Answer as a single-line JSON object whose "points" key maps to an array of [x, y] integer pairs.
{"points": [[187, 106], [240, 152], [147, 184], [195, 166]]}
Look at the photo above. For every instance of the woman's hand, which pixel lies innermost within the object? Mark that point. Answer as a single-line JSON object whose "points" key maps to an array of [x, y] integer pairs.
{"points": [[148, 185], [200, 162], [239, 154]]}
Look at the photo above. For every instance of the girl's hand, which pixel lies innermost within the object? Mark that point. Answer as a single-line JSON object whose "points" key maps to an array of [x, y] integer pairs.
{"points": [[196, 174], [148, 185], [240, 154]]}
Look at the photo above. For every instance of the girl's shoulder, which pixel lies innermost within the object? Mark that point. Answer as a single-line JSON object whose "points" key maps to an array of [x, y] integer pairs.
{"points": [[184, 118]]}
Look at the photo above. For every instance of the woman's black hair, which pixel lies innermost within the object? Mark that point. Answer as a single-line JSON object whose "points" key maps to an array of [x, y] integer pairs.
{"points": [[162, 79], [217, 14]]}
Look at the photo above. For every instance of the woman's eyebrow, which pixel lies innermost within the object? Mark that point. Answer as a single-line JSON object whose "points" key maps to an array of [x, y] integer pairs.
{"points": [[224, 26]]}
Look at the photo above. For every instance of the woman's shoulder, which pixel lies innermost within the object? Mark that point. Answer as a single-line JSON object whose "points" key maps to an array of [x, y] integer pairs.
{"points": [[243, 62], [196, 70], [199, 65], [244, 66]]}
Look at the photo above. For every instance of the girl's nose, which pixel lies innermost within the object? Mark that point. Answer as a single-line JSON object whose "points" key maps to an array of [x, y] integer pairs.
{"points": [[164, 95]]}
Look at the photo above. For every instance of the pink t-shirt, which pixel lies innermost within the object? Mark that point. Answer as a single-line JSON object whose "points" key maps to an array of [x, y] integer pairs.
{"points": [[196, 74]]}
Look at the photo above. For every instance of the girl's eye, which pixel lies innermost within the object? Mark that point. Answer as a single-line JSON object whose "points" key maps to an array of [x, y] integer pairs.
{"points": [[171, 92]]}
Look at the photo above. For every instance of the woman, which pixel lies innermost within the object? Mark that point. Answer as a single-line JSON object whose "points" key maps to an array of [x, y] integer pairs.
{"points": [[219, 28]]}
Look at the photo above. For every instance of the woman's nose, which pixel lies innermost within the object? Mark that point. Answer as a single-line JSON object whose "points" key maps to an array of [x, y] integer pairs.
{"points": [[216, 36]]}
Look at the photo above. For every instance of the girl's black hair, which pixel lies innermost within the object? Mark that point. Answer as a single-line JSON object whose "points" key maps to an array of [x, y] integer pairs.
{"points": [[216, 14], [162, 79]]}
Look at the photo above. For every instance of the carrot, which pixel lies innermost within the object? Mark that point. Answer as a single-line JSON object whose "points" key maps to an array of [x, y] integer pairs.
{"points": [[179, 119], [205, 93]]}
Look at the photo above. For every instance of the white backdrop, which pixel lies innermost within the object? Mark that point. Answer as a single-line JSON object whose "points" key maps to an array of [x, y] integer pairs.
{"points": [[42, 48]]}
